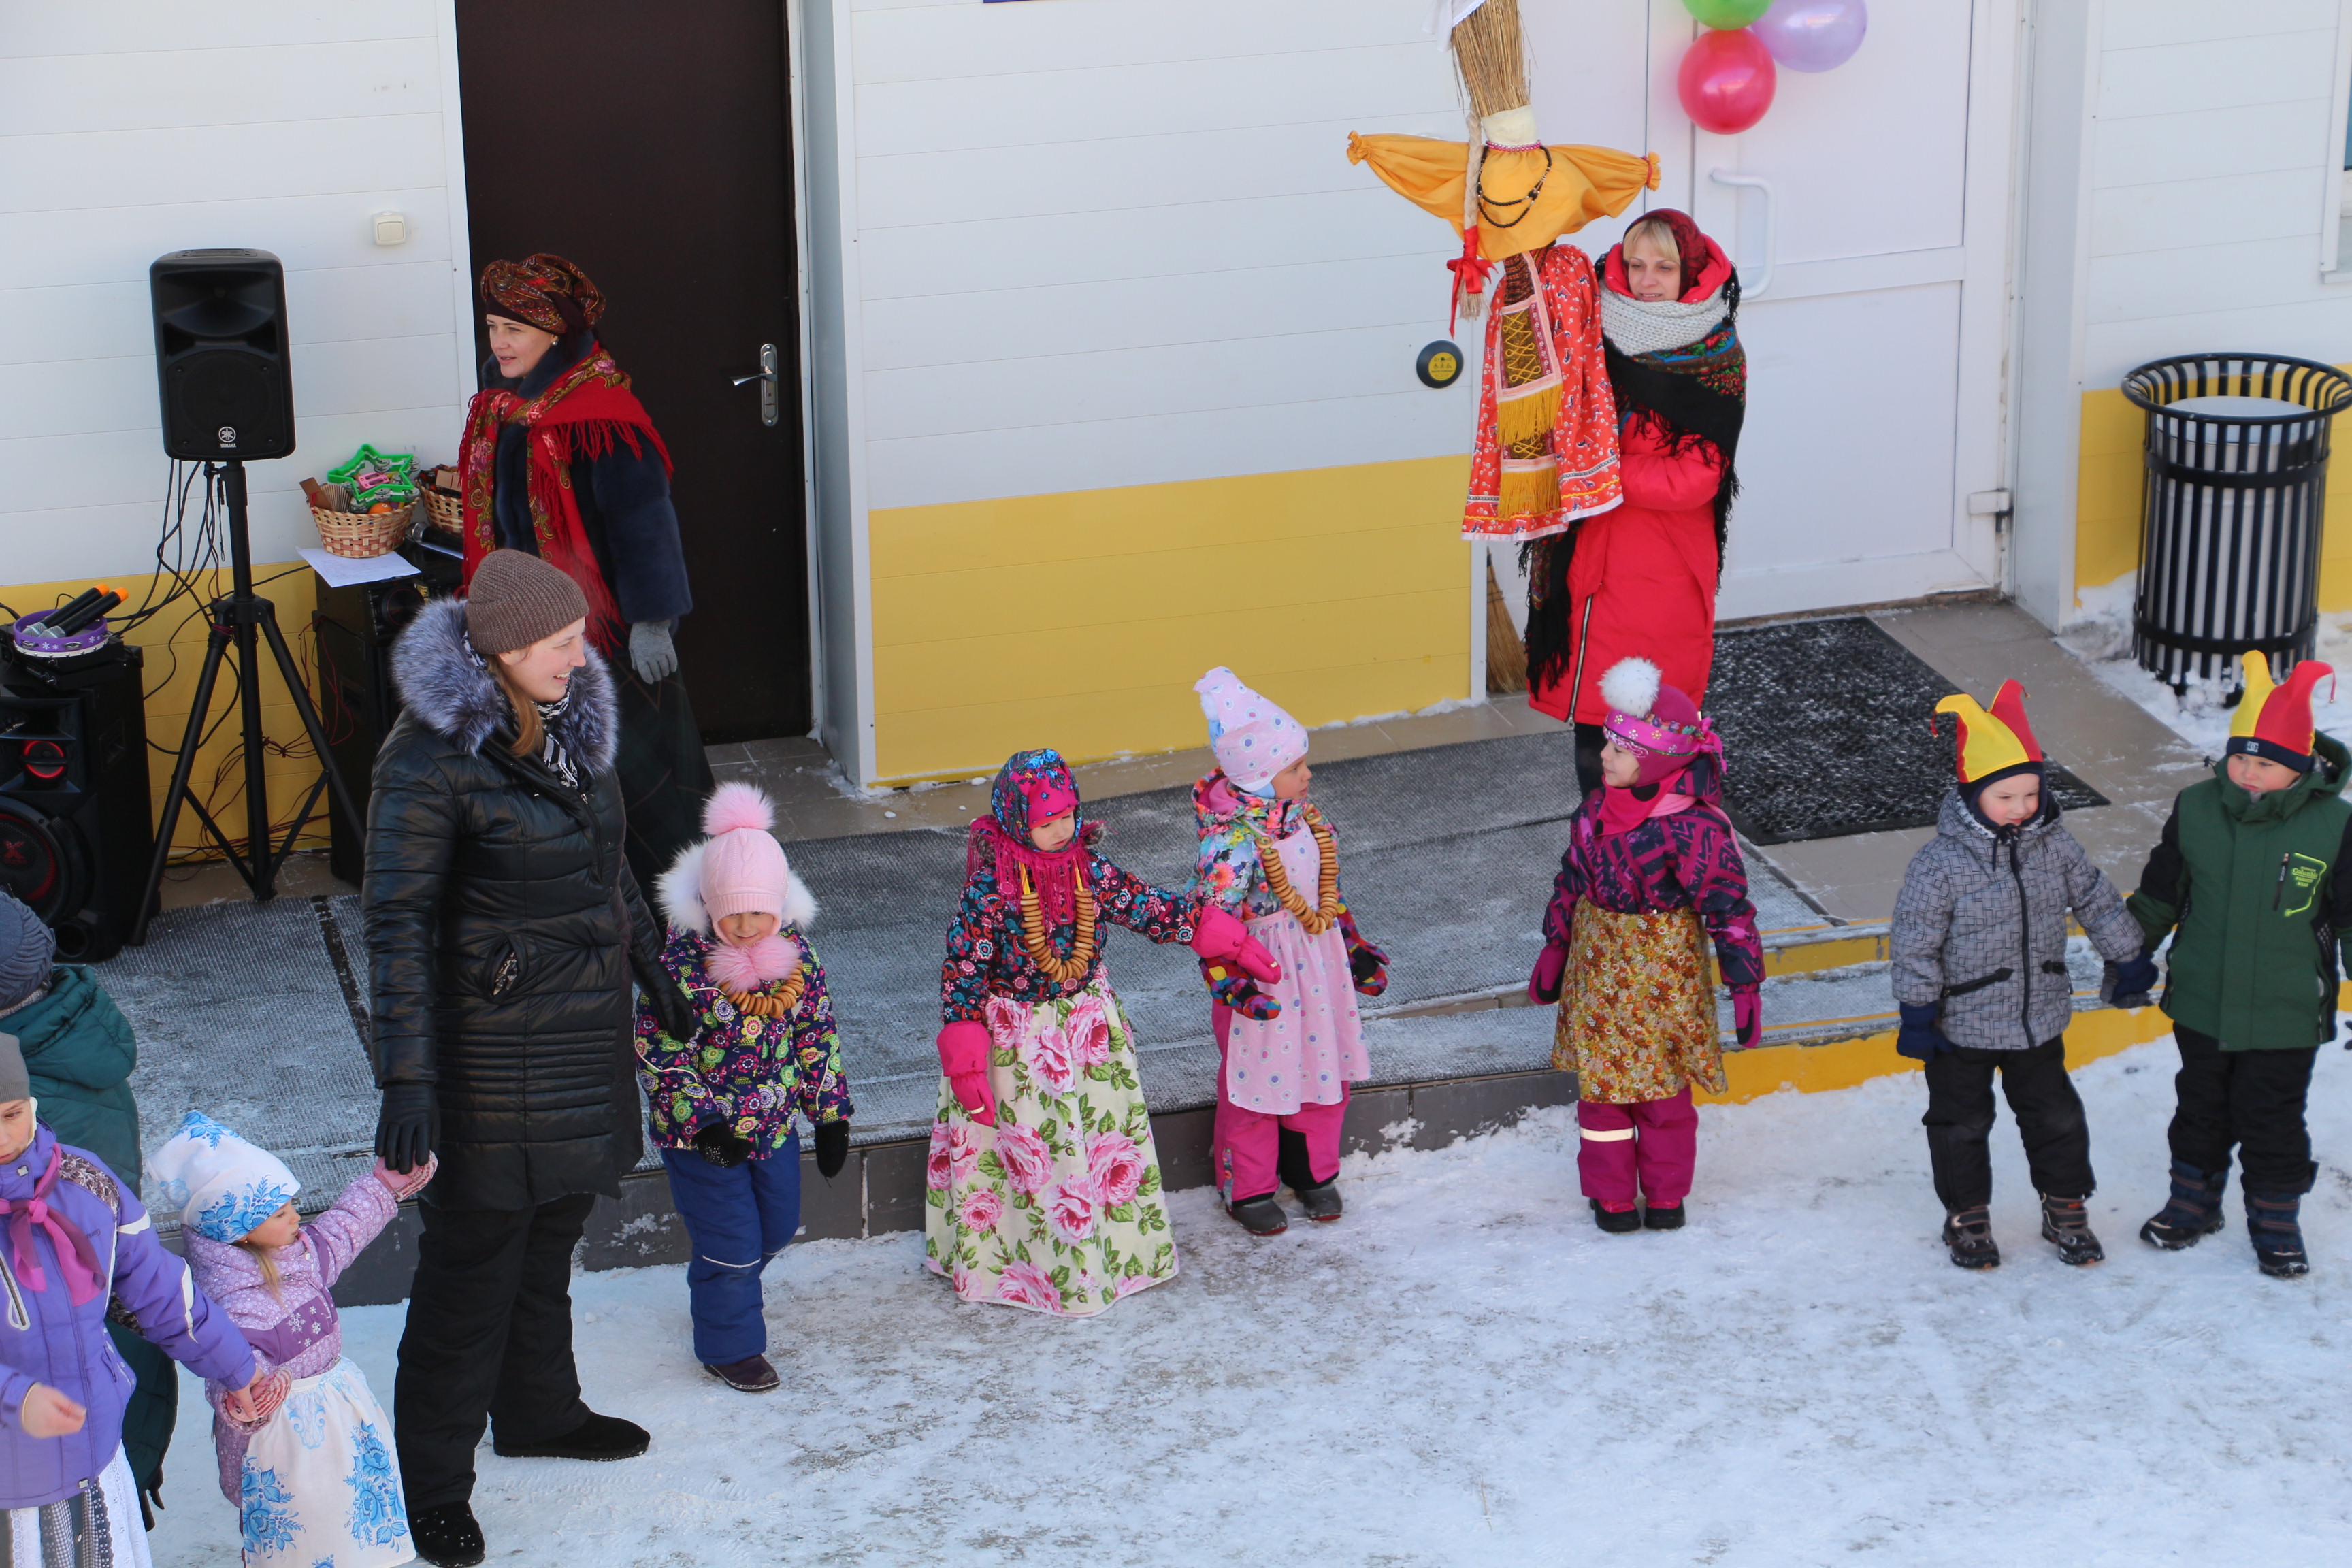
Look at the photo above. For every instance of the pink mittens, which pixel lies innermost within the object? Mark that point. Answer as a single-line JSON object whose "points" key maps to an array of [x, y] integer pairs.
{"points": [[1543, 985], [1217, 935], [1747, 1018], [963, 1056]]}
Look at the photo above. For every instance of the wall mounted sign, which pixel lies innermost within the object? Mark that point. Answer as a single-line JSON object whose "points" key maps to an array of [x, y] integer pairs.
{"points": [[1440, 364]]}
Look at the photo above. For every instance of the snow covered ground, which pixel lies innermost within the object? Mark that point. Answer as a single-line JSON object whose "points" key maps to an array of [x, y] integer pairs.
{"points": [[1465, 1371]]}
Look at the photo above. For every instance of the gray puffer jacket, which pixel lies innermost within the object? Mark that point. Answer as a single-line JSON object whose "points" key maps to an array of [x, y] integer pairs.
{"points": [[1981, 927]]}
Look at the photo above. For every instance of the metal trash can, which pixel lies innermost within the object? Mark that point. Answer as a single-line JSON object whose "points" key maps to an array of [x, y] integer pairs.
{"points": [[2230, 524]]}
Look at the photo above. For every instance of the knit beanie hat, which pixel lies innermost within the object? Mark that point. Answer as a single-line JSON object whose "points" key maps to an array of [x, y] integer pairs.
{"points": [[1656, 723], [16, 1083], [2273, 721], [1994, 745], [28, 952], [1254, 740], [516, 599], [222, 1185], [743, 867]]}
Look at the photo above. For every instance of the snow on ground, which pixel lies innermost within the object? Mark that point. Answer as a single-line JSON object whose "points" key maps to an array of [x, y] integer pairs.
{"points": [[1466, 1369]]}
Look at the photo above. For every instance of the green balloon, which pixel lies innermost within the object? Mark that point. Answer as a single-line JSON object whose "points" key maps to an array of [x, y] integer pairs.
{"points": [[1726, 14]]}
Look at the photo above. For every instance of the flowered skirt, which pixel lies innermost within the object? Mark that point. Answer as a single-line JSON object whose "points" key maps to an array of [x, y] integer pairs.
{"points": [[97, 1527], [1636, 1012], [320, 1485], [1058, 1207]]}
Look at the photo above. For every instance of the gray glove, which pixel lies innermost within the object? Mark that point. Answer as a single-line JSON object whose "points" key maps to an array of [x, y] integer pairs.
{"points": [[651, 653]]}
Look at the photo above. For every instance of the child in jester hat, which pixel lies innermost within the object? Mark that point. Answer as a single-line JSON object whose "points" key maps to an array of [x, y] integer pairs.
{"points": [[2253, 880], [1285, 1051], [1980, 971]]}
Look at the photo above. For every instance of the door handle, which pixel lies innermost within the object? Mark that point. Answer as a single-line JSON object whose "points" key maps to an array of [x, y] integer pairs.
{"points": [[766, 376], [1771, 236]]}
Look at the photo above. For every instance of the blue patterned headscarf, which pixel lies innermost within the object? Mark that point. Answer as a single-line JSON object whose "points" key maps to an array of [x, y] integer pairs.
{"points": [[1033, 788], [222, 1185]]}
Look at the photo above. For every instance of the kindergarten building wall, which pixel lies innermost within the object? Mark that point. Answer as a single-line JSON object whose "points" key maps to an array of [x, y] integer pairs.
{"points": [[1123, 380], [140, 127]]}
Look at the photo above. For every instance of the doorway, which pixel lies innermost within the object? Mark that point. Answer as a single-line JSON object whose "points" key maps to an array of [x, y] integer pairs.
{"points": [[652, 145]]}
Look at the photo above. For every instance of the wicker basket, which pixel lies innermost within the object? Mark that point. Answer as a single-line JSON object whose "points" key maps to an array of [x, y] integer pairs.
{"points": [[448, 512], [363, 536]]}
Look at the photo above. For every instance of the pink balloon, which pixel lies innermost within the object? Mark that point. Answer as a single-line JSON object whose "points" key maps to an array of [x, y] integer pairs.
{"points": [[1813, 35], [1726, 81]]}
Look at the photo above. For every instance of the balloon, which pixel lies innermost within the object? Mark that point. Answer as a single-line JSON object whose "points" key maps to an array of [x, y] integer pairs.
{"points": [[1813, 35], [1727, 14], [1726, 81]]}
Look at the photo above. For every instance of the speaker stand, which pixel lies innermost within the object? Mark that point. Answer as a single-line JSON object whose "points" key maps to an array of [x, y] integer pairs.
{"points": [[241, 618]]}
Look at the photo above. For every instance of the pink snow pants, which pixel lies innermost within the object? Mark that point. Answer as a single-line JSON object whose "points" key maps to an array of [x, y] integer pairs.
{"points": [[1654, 1142], [1246, 1146]]}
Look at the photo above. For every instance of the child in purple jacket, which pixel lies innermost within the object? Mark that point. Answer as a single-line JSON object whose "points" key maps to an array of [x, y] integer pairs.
{"points": [[72, 1238], [1652, 873], [311, 1466]]}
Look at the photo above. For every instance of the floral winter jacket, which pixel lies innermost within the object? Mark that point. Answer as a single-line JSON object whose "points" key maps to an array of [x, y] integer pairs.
{"points": [[1686, 860], [984, 954], [1232, 875], [749, 1072]]}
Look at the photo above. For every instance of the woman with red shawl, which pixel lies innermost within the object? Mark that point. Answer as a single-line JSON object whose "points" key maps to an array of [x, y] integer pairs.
{"points": [[1640, 578], [562, 461]]}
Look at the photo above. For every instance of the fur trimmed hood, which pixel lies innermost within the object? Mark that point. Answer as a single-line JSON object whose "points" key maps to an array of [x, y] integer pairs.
{"points": [[454, 696], [679, 894]]}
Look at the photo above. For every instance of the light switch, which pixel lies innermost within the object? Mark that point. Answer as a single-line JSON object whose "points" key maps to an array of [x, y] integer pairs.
{"points": [[390, 228]]}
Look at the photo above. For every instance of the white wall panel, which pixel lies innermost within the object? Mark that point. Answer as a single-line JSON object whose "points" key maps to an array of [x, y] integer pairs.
{"points": [[2138, 24], [223, 87], [978, 40], [37, 31], [2201, 144], [2218, 73], [2319, 327], [114, 243], [2178, 214]]}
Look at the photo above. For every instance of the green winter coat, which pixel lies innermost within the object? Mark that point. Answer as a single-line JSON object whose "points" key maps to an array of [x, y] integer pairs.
{"points": [[2260, 887], [79, 1051]]}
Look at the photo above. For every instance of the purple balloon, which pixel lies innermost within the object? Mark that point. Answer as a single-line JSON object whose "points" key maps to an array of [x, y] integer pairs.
{"points": [[1812, 35]]}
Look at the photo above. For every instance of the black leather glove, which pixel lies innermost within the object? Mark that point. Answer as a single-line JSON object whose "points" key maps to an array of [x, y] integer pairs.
{"points": [[677, 1020], [832, 1148], [719, 1145], [408, 1127]]}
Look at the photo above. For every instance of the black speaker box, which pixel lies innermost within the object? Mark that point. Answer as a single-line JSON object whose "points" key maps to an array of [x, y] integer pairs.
{"points": [[221, 357], [356, 628], [77, 825]]}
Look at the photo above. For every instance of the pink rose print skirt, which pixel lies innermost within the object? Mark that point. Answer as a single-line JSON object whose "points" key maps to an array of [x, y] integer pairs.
{"points": [[1058, 1207]]}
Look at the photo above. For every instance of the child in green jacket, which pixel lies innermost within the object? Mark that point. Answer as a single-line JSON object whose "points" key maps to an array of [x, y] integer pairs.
{"points": [[2255, 870]]}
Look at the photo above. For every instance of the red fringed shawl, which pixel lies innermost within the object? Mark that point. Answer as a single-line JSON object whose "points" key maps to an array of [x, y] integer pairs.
{"points": [[586, 413]]}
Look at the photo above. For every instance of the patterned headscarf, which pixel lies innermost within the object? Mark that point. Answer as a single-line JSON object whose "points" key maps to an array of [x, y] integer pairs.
{"points": [[542, 290], [1032, 787], [222, 1185]]}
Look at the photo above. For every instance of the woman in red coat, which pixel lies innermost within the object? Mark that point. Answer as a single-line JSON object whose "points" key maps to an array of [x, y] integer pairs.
{"points": [[1640, 579]]}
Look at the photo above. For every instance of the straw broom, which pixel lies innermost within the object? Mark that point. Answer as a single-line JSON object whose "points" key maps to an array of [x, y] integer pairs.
{"points": [[1492, 57]]}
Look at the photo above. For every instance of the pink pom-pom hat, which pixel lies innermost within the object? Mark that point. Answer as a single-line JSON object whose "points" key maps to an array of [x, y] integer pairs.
{"points": [[739, 869]]}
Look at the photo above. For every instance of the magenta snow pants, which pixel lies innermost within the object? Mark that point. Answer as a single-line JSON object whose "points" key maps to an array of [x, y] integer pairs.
{"points": [[1251, 1154], [1654, 1142]]}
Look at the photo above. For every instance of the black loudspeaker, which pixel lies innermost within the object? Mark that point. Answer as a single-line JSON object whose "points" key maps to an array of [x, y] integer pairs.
{"points": [[77, 827], [356, 628], [221, 357]]}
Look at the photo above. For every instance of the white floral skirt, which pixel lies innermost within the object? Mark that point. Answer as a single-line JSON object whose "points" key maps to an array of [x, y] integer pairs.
{"points": [[99, 1527], [1058, 1207], [321, 1487]]}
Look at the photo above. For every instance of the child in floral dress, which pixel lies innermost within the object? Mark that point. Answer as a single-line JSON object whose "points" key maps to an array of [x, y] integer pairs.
{"points": [[313, 1474], [1286, 1053], [721, 1104], [1044, 1184], [1652, 872]]}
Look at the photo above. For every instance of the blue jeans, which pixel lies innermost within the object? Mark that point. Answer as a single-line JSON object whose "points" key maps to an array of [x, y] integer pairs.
{"points": [[736, 1219]]}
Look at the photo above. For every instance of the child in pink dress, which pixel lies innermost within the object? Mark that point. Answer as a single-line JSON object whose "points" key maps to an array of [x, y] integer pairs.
{"points": [[1288, 1049]]}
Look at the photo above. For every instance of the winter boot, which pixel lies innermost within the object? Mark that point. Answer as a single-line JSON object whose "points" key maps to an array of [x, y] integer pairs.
{"points": [[1968, 1233], [2273, 1219], [1663, 1217], [1261, 1216], [2192, 1213], [2066, 1226], [1322, 1203], [1616, 1222], [752, 1374], [598, 1437], [447, 1536]]}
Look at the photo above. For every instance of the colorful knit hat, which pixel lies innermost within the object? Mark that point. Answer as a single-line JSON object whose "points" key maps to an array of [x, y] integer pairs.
{"points": [[1993, 745], [2273, 721], [1253, 738], [1658, 724], [222, 1185]]}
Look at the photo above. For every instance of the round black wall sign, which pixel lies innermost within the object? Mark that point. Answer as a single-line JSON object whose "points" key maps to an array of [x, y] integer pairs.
{"points": [[1440, 364]]}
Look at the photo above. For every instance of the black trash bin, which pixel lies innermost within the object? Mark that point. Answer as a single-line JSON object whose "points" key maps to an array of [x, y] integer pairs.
{"points": [[2230, 524]]}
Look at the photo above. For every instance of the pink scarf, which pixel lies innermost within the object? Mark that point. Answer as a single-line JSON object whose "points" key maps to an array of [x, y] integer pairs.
{"points": [[1621, 811], [76, 1257], [1055, 874]]}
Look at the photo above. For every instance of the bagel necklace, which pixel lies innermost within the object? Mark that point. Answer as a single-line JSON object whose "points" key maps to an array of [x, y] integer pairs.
{"points": [[1060, 971], [1324, 914]]}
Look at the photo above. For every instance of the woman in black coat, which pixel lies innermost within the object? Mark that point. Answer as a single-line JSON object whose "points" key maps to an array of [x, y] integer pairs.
{"points": [[504, 928]]}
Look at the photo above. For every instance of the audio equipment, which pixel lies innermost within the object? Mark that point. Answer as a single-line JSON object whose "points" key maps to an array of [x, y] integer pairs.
{"points": [[75, 828], [221, 359], [355, 628]]}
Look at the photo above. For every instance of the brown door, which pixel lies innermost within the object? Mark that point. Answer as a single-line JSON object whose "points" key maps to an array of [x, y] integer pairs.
{"points": [[652, 145]]}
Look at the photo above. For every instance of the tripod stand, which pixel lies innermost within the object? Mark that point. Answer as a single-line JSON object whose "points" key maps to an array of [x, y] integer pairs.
{"points": [[237, 616]]}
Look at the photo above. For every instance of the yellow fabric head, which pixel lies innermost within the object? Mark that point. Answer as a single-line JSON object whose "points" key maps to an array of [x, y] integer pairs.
{"points": [[1987, 745], [2259, 686]]}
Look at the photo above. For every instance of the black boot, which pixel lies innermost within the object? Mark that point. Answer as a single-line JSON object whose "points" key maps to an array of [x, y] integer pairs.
{"points": [[598, 1437], [1968, 1233], [2066, 1226], [2193, 1211], [1614, 1223], [752, 1374], [1322, 1203], [1261, 1216], [1661, 1217], [2274, 1220], [446, 1535]]}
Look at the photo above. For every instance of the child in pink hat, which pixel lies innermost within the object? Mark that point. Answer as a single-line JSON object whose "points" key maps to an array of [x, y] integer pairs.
{"points": [[1287, 1050], [721, 1104]]}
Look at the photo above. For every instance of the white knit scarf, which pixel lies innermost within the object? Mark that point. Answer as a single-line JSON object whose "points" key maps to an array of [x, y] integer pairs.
{"points": [[1655, 327]]}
